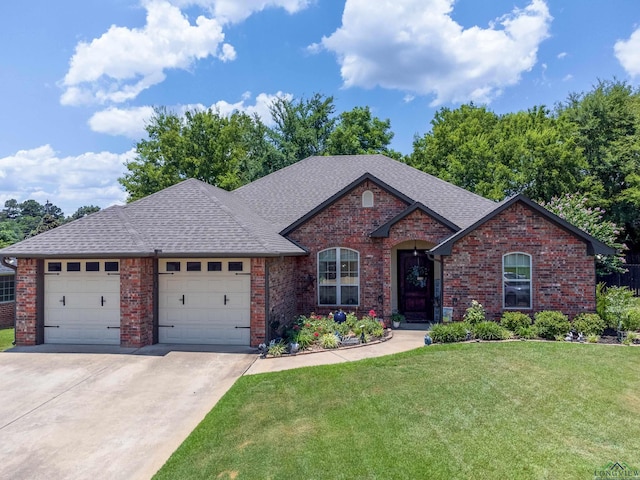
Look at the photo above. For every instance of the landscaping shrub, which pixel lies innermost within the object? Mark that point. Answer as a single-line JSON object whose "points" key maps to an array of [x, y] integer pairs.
{"points": [[632, 320], [475, 313], [449, 332], [490, 331], [551, 324], [589, 324], [277, 349], [515, 320], [526, 332], [329, 340], [617, 304]]}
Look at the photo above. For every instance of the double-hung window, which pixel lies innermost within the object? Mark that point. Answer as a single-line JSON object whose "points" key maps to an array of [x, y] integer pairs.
{"points": [[338, 277], [516, 279]]}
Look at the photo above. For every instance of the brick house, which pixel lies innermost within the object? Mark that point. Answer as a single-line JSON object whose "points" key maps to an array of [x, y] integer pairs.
{"points": [[7, 296], [196, 264]]}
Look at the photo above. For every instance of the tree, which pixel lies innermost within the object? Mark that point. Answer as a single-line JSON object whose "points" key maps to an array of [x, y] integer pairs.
{"points": [[358, 132], [607, 121], [495, 156], [11, 210], [206, 145], [575, 210], [301, 129], [48, 222], [10, 233], [83, 212]]}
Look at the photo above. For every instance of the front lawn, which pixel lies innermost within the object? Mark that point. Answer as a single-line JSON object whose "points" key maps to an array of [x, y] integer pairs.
{"points": [[477, 410], [6, 338]]}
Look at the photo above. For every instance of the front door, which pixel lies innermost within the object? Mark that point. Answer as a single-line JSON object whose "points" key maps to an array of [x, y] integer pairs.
{"points": [[415, 285]]}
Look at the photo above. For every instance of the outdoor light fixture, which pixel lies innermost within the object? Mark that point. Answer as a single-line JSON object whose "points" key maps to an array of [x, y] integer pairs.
{"points": [[415, 249]]}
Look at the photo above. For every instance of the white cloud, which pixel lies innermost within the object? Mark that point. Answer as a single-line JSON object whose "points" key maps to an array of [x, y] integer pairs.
{"points": [[260, 107], [123, 62], [568, 77], [562, 55], [129, 122], [234, 11], [68, 182], [628, 53], [417, 47]]}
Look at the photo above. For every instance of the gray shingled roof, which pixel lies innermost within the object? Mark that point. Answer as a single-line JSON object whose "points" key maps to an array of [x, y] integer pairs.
{"points": [[288, 194], [191, 218]]}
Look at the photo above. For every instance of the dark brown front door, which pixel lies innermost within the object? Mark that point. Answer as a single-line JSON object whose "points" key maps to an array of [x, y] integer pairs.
{"points": [[415, 286]]}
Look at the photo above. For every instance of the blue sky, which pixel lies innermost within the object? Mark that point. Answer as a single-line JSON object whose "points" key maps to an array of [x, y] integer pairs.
{"points": [[79, 78]]}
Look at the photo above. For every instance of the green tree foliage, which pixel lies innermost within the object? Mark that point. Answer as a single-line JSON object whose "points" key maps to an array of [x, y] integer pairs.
{"points": [[84, 211], [498, 156], [358, 132], [221, 150], [607, 121], [301, 129], [21, 220], [575, 210]]}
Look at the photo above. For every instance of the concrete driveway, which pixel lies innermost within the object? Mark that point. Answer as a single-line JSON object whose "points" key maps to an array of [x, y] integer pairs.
{"points": [[105, 413]]}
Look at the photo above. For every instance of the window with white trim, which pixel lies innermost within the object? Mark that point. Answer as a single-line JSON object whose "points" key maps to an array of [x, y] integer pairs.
{"points": [[338, 277], [7, 288], [516, 279], [367, 199]]}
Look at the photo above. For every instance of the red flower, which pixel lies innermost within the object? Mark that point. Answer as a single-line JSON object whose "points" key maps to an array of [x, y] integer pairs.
{"points": [[307, 325], [372, 313], [316, 334]]}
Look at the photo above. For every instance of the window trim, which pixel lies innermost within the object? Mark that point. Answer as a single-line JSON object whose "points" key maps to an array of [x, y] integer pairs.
{"points": [[528, 281], [367, 199], [7, 288], [338, 284]]}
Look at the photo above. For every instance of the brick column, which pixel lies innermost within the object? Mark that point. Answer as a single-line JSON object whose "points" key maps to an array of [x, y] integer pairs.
{"points": [[136, 302], [258, 301], [27, 302]]}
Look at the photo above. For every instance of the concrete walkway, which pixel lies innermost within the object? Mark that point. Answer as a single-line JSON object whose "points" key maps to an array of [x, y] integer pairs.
{"points": [[403, 340]]}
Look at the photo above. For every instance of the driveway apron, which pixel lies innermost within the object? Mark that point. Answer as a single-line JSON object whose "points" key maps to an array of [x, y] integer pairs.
{"points": [[113, 415]]}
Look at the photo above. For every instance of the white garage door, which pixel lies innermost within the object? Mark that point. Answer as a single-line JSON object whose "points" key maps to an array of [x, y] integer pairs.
{"points": [[82, 302], [205, 301]]}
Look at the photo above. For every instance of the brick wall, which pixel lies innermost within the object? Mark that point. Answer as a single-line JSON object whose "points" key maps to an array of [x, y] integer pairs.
{"points": [[563, 275], [346, 223], [27, 301], [136, 302], [7, 314], [282, 285]]}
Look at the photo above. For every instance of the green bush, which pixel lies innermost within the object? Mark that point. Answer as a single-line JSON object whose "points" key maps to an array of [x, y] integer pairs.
{"points": [[449, 332], [490, 331], [329, 340], [589, 324], [515, 320], [277, 349], [617, 304], [475, 313], [632, 320], [551, 324], [526, 332]]}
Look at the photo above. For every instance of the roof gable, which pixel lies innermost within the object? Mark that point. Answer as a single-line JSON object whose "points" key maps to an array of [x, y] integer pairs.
{"points": [[338, 195], [594, 246], [383, 230]]}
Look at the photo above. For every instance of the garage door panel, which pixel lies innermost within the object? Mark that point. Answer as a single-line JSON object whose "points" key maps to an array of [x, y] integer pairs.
{"points": [[82, 307], [215, 310]]}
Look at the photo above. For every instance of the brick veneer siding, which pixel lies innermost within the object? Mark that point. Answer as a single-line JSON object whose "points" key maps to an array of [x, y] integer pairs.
{"points": [[347, 224], [282, 286], [7, 314], [136, 302], [563, 275], [27, 302]]}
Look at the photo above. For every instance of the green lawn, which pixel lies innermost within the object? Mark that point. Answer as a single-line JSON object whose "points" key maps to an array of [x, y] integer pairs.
{"points": [[6, 337], [478, 410]]}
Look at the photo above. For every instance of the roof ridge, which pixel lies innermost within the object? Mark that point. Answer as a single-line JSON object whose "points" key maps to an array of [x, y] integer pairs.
{"points": [[139, 238]]}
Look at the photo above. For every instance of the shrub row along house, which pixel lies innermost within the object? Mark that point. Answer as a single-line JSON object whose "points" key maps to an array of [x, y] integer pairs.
{"points": [[197, 264]]}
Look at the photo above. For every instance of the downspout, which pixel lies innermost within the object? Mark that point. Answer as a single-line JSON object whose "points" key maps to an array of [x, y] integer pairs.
{"points": [[267, 294], [3, 261]]}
